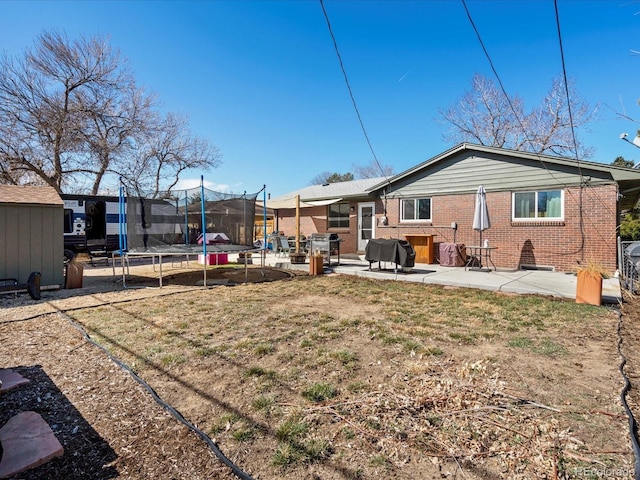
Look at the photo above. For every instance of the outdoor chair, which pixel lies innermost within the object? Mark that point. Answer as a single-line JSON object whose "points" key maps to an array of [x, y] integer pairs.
{"points": [[283, 247]]}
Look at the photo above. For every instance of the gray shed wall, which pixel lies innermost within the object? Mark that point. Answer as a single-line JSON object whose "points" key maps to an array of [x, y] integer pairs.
{"points": [[32, 240]]}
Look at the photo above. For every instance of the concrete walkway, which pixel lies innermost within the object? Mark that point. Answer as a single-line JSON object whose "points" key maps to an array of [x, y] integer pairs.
{"points": [[556, 284]]}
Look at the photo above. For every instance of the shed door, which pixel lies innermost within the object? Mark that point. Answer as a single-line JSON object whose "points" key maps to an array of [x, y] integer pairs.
{"points": [[366, 214]]}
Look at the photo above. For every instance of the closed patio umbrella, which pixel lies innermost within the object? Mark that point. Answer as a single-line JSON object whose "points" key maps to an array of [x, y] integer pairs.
{"points": [[481, 220]]}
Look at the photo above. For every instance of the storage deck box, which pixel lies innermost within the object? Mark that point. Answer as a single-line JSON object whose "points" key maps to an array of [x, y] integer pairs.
{"points": [[213, 259]]}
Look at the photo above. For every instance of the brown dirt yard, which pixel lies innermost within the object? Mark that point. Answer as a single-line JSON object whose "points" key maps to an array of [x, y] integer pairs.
{"points": [[291, 376]]}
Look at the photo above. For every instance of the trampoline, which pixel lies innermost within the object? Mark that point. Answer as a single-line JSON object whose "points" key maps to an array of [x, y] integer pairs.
{"points": [[179, 222]]}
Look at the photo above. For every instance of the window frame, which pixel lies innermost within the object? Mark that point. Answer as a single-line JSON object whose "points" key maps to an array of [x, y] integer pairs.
{"points": [[341, 218], [416, 210], [537, 217]]}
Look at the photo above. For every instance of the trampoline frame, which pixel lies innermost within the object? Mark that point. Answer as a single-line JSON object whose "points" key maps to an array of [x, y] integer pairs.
{"points": [[160, 254], [177, 249]]}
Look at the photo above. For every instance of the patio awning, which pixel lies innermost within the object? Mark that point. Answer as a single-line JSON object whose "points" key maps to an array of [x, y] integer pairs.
{"points": [[291, 203]]}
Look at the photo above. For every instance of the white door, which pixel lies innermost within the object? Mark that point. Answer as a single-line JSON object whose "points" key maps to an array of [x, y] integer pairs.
{"points": [[366, 227]]}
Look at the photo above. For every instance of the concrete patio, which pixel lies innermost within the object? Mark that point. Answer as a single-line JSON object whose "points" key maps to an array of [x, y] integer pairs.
{"points": [[540, 282]]}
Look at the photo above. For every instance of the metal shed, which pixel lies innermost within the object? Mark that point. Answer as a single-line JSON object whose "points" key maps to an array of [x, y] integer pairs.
{"points": [[31, 234]]}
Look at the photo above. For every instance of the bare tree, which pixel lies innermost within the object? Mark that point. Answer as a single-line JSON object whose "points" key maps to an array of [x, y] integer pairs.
{"points": [[484, 115], [112, 126], [372, 170], [41, 115], [166, 150], [320, 178], [71, 114]]}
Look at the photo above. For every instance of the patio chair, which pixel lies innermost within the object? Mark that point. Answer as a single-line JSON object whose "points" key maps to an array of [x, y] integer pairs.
{"points": [[283, 247]]}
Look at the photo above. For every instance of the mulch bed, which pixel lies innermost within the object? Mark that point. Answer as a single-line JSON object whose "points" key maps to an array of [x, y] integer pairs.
{"points": [[89, 403]]}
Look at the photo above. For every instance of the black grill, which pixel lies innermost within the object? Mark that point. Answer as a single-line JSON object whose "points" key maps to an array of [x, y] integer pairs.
{"points": [[399, 252]]}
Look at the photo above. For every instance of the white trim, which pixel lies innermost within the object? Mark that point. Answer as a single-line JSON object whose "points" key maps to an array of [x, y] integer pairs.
{"points": [[416, 220], [360, 243], [536, 218]]}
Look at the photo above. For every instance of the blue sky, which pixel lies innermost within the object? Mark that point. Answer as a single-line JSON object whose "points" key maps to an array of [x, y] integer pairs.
{"points": [[262, 82]]}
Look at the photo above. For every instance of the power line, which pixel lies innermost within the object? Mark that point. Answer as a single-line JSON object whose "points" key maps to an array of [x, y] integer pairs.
{"points": [[524, 131], [346, 79], [504, 91], [566, 90], [573, 132]]}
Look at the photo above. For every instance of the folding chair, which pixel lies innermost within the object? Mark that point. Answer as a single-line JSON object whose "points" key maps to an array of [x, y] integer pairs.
{"points": [[283, 246]]}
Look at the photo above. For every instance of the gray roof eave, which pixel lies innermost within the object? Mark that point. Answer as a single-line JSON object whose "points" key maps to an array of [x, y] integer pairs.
{"points": [[617, 173], [347, 190]]}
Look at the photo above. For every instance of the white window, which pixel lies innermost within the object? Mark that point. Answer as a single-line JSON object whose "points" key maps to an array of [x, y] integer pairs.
{"points": [[538, 205], [415, 209]]}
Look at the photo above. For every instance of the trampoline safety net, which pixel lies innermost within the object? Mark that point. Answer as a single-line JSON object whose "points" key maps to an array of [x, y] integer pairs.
{"points": [[175, 221]]}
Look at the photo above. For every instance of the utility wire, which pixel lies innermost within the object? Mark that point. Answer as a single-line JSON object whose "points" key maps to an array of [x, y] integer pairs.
{"points": [[346, 79], [571, 123], [524, 131], [573, 132], [504, 91], [633, 426], [566, 89]]}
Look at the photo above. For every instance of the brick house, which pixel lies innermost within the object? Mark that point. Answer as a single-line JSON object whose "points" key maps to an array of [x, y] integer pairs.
{"points": [[546, 212]]}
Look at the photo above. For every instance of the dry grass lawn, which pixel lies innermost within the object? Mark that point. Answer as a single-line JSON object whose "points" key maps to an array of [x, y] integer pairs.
{"points": [[339, 377]]}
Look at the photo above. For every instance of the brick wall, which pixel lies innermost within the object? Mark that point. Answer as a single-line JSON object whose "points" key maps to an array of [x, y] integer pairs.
{"points": [[314, 220], [563, 245]]}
